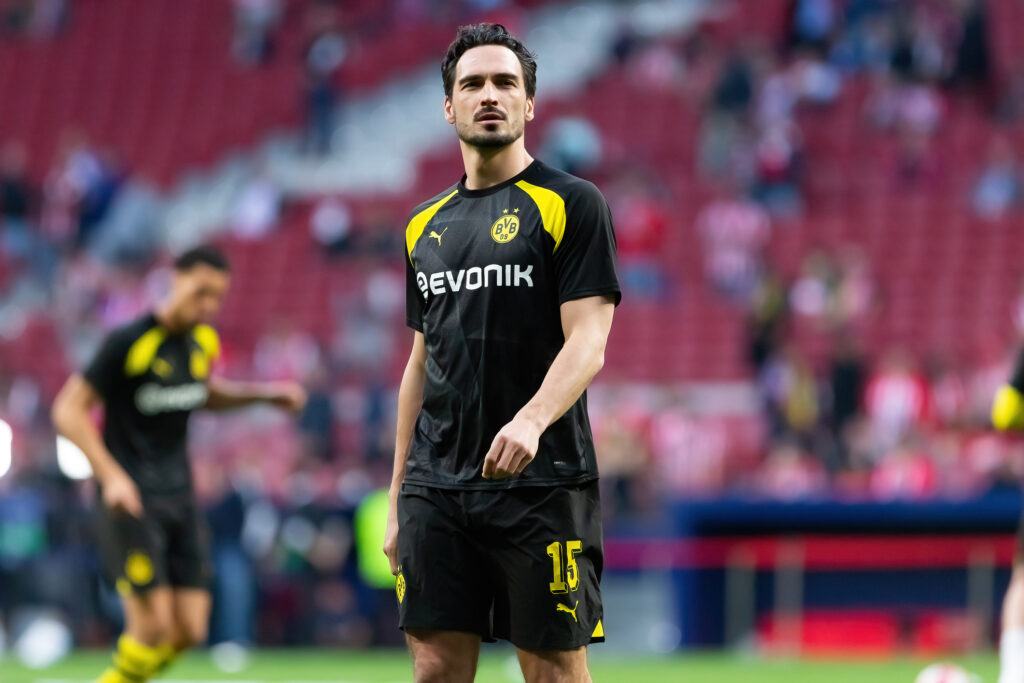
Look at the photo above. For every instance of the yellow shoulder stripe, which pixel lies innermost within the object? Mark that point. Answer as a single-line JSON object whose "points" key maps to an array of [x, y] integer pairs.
{"points": [[1008, 409], [552, 209], [143, 351], [419, 223], [207, 338], [599, 631]]}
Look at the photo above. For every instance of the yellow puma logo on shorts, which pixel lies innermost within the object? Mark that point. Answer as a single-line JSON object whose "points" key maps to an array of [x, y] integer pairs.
{"points": [[565, 608]]}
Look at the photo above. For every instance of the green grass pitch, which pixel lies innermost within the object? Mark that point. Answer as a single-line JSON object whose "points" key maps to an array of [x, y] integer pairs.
{"points": [[392, 666]]}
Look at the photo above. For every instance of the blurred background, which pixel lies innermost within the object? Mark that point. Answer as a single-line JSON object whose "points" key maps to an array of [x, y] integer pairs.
{"points": [[820, 215]]}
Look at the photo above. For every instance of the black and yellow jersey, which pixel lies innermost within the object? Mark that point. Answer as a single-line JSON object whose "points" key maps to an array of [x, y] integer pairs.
{"points": [[487, 271], [150, 381]]}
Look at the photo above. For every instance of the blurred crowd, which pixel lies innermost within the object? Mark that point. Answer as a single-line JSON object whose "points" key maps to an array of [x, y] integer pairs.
{"points": [[845, 421]]}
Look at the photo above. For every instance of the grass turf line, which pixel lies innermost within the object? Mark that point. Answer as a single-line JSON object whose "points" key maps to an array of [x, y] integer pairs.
{"points": [[393, 666]]}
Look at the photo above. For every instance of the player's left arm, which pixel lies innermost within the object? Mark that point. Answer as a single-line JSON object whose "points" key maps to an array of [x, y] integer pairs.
{"points": [[586, 323], [228, 395]]}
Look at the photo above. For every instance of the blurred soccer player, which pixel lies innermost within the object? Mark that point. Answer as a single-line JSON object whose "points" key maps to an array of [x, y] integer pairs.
{"points": [[150, 375], [1008, 414], [494, 527]]}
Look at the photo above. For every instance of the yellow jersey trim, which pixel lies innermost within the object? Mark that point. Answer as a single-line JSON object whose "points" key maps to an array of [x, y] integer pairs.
{"points": [[1008, 409], [599, 631], [143, 351], [207, 338], [418, 224], [552, 210]]}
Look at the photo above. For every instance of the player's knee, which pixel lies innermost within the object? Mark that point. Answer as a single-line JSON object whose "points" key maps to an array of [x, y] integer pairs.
{"points": [[152, 632], [550, 667], [189, 635], [436, 666]]}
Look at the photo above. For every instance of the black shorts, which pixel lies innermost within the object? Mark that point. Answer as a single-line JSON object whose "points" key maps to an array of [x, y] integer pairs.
{"points": [[168, 546], [521, 564]]}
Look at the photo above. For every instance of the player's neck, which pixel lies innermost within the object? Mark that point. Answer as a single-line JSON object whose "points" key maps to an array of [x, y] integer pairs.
{"points": [[165, 315], [489, 167]]}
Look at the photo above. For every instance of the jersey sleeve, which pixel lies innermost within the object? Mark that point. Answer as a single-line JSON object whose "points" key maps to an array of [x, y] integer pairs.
{"points": [[585, 258], [413, 299], [106, 369]]}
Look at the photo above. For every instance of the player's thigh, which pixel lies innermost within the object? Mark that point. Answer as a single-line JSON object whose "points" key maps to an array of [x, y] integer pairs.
{"points": [[188, 545], [191, 616], [149, 615], [132, 550], [554, 666], [547, 551], [448, 656], [444, 580]]}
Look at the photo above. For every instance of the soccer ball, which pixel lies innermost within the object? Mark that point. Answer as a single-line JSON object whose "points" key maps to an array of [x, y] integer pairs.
{"points": [[944, 673]]}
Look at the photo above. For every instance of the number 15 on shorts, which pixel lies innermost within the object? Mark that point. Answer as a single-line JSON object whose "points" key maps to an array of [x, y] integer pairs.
{"points": [[566, 572]]}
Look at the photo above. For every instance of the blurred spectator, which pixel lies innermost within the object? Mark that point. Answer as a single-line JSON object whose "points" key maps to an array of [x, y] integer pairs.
{"points": [[735, 232], [971, 63], [130, 229], [998, 189], [48, 17], [948, 394], [896, 400], [723, 125], [905, 473], [325, 53], [257, 207], [317, 418], [769, 310], [1010, 103], [847, 376], [641, 227], [331, 226], [814, 22], [790, 473], [286, 353], [76, 173], [572, 144], [18, 239], [255, 21], [790, 394], [778, 157]]}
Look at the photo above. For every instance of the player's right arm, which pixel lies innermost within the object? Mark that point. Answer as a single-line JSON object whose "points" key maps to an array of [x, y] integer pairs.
{"points": [[72, 418], [410, 401]]}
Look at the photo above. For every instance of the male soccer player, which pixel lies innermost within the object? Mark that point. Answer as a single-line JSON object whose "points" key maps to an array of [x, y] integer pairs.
{"points": [[494, 526], [150, 375], [1008, 414]]}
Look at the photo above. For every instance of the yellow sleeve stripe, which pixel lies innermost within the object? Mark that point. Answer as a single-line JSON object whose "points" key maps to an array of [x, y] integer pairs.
{"points": [[207, 339], [419, 223], [552, 210], [1008, 409], [143, 351], [599, 631]]}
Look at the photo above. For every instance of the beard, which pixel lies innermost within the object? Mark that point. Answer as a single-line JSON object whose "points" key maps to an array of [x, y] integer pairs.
{"points": [[488, 139]]}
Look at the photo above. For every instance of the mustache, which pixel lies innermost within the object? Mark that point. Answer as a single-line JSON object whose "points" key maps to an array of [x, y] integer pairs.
{"points": [[489, 111]]}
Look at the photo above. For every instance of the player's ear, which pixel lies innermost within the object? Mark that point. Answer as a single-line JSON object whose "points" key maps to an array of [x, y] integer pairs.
{"points": [[449, 112], [529, 108]]}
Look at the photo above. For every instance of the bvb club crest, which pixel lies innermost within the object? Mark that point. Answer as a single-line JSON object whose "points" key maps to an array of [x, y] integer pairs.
{"points": [[505, 228], [400, 587]]}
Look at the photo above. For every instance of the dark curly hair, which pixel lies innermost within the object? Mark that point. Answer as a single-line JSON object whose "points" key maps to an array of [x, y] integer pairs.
{"points": [[475, 35]]}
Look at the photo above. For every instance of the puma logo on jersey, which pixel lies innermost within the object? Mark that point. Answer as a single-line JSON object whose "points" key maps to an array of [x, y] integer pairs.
{"points": [[474, 278], [438, 237], [565, 608]]}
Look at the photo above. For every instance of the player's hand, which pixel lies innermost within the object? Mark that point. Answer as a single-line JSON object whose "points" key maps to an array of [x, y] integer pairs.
{"points": [[514, 447], [120, 494], [391, 536], [289, 396]]}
